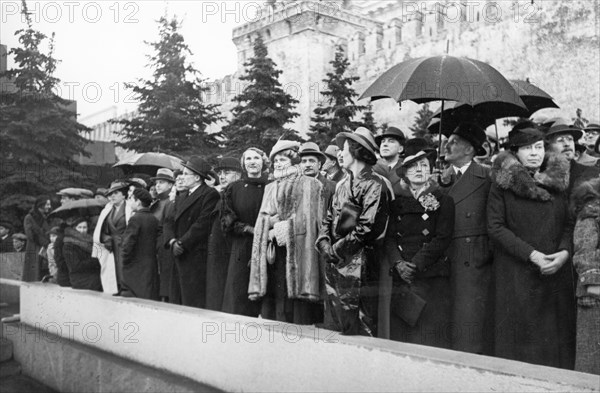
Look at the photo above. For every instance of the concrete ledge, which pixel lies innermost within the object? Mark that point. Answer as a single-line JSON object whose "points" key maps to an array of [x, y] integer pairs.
{"points": [[67, 366], [235, 353]]}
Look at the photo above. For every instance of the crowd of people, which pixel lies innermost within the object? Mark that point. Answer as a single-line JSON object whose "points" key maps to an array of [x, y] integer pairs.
{"points": [[478, 250]]}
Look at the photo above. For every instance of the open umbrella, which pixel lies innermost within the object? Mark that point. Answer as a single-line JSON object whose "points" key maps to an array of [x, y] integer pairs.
{"points": [[148, 163], [444, 78], [82, 207]]}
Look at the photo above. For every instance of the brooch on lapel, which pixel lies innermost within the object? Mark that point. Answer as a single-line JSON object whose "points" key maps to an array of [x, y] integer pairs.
{"points": [[429, 202]]}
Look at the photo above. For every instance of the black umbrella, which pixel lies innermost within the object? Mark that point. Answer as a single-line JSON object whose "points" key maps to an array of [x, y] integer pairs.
{"points": [[88, 207], [444, 78], [149, 163]]}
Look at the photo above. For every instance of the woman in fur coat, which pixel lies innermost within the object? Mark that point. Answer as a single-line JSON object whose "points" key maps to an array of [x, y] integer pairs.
{"points": [[419, 232], [533, 277], [289, 284], [36, 229], [586, 259]]}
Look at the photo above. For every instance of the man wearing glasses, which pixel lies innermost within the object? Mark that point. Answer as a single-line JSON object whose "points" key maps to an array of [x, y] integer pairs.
{"points": [[560, 139]]}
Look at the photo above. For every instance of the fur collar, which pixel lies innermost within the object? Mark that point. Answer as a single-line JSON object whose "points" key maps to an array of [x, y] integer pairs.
{"points": [[510, 174], [585, 200]]}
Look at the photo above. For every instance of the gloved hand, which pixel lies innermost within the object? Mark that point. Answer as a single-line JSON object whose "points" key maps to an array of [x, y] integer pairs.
{"points": [[177, 249], [326, 250], [108, 245], [249, 229], [406, 270]]}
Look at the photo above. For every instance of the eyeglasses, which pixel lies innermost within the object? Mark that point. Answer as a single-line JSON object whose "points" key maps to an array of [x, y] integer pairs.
{"points": [[564, 138]]}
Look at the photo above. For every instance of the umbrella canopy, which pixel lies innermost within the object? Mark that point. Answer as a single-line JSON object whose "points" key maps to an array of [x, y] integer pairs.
{"points": [[149, 163], [486, 113], [82, 207], [450, 78]]}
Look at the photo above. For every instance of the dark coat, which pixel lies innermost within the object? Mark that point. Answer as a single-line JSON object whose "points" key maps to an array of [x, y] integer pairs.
{"points": [[62, 270], [140, 267], [241, 205], [390, 173], [327, 191], [352, 283], [219, 250], [421, 236], [534, 313], [470, 259], [190, 225], [36, 229], [84, 271], [579, 173], [112, 230], [161, 208], [6, 244]]}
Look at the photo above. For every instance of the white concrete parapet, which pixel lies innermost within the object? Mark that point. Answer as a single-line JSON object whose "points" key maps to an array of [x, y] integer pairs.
{"points": [[235, 353]]}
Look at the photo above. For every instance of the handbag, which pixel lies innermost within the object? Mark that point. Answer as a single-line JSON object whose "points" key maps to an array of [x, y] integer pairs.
{"points": [[271, 252], [349, 215], [407, 305]]}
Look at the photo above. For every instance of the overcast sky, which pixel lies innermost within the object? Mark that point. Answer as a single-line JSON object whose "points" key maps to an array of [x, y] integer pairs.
{"points": [[100, 43]]}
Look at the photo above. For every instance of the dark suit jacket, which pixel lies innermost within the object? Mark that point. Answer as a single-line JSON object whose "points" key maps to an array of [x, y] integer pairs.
{"points": [[191, 222], [140, 268], [470, 255], [383, 169]]}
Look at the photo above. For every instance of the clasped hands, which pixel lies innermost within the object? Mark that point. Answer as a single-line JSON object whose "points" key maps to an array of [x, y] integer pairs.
{"points": [[549, 264], [326, 250]]}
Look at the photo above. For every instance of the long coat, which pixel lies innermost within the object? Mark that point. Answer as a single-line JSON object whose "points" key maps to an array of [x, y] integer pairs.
{"points": [[421, 235], [290, 288], [352, 284], [160, 209], [241, 205], [219, 250], [534, 313], [140, 267], [190, 225], [36, 226], [470, 259], [84, 270]]}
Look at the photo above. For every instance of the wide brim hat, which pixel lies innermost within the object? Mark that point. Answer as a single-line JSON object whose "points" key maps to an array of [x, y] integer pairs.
{"points": [[524, 137], [137, 182], [116, 186], [332, 151], [557, 129], [164, 174], [391, 132], [282, 145], [311, 149], [199, 166], [415, 150], [101, 191], [229, 163], [362, 136], [473, 134]]}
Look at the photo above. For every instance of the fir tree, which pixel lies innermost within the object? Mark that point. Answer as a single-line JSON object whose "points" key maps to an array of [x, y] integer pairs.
{"points": [[419, 128], [38, 129], [172, 116], [368, 120], [339, 106], [262, 109]]}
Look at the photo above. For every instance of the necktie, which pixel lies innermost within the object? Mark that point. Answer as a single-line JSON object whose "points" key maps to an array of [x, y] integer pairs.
{"points": [[458, 175]]}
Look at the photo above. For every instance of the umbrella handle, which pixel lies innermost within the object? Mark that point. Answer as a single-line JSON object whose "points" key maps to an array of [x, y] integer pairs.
{"points": [[439, 162]]}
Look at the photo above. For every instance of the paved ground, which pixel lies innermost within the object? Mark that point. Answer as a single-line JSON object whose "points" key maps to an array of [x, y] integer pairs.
{"points": [[22, 384]]}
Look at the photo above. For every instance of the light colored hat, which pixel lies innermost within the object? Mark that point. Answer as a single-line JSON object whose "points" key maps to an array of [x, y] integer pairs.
{"points": [[282, 145], [76, 192], [332, 151], [164, 174], [19, 236], [362, 136]]}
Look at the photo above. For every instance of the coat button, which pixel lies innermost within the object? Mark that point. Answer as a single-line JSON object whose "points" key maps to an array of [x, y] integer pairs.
{"points": [[469, 214], [468, 240], [582, 279], [467, 263]]}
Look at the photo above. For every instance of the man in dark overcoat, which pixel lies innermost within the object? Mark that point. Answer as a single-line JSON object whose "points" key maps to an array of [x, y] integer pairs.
{"points": [[187, 234], [312, 159], [391, 148], [468, 183], [138, 252], [164, 182]]}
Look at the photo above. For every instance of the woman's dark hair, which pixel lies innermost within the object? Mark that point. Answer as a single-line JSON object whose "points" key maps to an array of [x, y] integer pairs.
{"points": [[360, 153], [41, 201], [143, 196]]}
